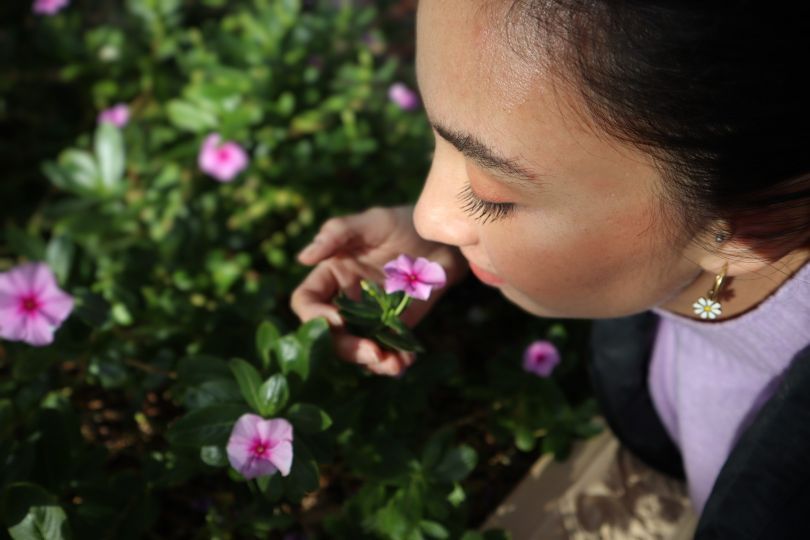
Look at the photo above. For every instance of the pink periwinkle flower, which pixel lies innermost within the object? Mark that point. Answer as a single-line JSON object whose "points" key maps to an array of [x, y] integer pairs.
{"points": [[417, 278], [260, 447], [32, 306], [404, 97], [540, 358], [222, 160], [49, 7], [117, 115]]}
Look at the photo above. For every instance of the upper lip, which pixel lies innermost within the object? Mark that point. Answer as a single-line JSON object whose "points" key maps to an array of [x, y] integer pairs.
{"points": [[479, 266]]}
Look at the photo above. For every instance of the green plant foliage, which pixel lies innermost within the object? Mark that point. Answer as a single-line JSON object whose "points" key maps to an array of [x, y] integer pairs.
{"points": [[181, 282]]}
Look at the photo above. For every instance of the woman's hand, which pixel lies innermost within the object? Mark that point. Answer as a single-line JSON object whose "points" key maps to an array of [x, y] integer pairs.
{"points": [[350, 248]]}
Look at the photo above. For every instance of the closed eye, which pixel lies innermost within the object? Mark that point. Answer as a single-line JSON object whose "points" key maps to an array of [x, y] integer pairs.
{"points": [[481, 210]]}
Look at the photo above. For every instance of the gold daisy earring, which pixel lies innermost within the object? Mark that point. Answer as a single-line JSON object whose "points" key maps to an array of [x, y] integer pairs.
{"points": [[708, 307]]}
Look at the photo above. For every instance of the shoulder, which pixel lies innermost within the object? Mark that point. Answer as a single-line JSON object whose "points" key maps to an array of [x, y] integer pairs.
{"points": [[763, 490]]}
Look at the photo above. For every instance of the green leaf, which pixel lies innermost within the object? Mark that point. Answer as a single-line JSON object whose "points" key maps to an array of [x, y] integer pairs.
{"points": [[213, 455], [308, 418], [271, 487], [209, 426], [249, 381], [59, 255], [359, 309], [109, 147], [457, 496], [398, 342], [524, 439], [433, 529], [456, 464], [290, 355], [31, 513], [273, 395], [266, 336], [190, 117], [79, 171]]}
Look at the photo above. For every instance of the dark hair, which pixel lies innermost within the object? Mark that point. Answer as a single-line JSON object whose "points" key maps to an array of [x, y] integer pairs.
{"points": [[713, 91]]}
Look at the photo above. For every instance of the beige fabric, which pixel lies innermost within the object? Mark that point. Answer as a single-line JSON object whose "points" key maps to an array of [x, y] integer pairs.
{"points": [[601, 492]]}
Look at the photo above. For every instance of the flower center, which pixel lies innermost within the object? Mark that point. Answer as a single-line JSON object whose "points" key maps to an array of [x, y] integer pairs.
{"points": [[29, 304], [260, 448], [223, 155], [412, 278]]}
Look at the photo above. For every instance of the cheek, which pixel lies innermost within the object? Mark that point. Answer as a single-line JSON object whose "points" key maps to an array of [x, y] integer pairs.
{"points": [[572, 262]]}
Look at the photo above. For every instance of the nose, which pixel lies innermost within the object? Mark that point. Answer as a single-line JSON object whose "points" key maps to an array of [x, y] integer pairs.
{"points": [[438, 215]]}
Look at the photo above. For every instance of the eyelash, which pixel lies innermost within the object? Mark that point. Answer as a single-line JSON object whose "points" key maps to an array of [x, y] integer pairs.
{"points": [[483, 210]]}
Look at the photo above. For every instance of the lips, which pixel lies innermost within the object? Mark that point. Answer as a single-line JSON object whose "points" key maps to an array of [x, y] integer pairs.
{"points": [[484, 276]]}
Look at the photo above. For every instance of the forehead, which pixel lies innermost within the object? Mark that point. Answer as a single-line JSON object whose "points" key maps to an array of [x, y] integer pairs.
{"points": [[462, 51]]}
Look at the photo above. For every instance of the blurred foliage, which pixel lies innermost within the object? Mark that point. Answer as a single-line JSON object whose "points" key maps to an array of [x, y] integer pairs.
{"points": [[117, 429]]}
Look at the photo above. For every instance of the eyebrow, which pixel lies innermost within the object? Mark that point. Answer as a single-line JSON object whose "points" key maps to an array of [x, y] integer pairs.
{"points": [[485, 156]]}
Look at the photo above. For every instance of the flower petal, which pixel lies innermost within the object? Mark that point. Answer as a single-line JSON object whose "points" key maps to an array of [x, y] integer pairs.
{"points": [[12, 324], [396, 282], [56, 307], [275, 429], [420, 291], [429, 272], [257, 467], [39, 331], [281, 455], [403, 264], [247, 426]]}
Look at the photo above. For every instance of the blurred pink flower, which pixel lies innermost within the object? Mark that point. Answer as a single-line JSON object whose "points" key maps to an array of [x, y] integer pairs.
{"points": [[32, 306], [259, 447], [403, 96], [540, 358], [49, 7], [417, 278], [117, 115], [222, 160]]}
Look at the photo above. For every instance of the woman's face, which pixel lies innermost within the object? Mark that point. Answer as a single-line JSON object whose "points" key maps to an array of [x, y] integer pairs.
{"points": [[586, 235]]}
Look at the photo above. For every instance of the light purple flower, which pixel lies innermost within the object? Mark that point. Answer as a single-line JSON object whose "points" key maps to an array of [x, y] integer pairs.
{"points": [[404, 97], [260, 447], [540, 358], [417, 278], [49, 7], [32, 306], [222, 160], [117, 115]]}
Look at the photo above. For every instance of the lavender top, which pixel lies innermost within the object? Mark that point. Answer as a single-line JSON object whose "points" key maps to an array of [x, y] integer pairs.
{"points": [[708, 380]]}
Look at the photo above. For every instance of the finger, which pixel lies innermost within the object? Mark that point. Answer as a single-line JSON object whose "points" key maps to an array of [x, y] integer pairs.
{"points": [[345, 233], [312, 298], [368, 354]]}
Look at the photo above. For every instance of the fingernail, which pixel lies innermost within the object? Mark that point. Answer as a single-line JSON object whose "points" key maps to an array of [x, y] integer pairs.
{"points": [[307, 250]]}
